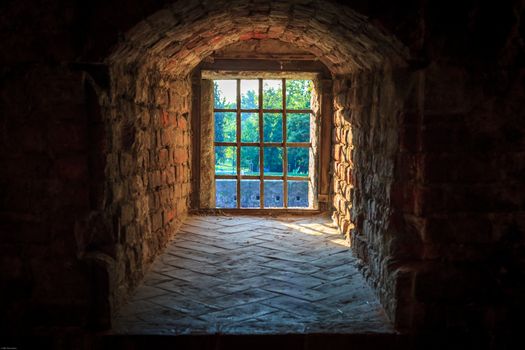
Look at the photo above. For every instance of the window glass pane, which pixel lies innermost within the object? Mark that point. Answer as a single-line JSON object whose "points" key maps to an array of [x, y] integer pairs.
{"points": [[273, 161], [273, 194], [249, 127], [273, 94], [273, 127], [298, 194], [225, 94], [250, 160], [225, 160], [225, 126], [298, 127], [298, 161], [225, 193], [250, 194], [298, 94], [249, 94]]}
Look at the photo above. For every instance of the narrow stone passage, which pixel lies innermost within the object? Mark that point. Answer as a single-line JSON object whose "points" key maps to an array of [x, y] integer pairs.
{"points": [[254, 275]]}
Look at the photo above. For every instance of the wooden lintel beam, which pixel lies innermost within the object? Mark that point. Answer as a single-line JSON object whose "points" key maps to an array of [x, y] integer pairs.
{"points": [[249, 66]]}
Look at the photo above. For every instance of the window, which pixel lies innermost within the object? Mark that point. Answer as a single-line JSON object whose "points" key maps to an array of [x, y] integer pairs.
{"points": [[262, 143]]}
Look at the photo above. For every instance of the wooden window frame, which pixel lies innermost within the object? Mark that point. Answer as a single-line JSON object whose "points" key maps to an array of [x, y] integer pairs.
{"points": [[293, 68], [262, 145]]}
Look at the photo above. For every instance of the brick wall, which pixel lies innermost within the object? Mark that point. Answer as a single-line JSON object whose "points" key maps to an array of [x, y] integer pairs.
{"points": [[428, 185], [148, 166], [368, 110]]}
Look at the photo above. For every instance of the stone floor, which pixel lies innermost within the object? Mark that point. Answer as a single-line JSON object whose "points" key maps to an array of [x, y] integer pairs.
{"points": [[254, 275]]}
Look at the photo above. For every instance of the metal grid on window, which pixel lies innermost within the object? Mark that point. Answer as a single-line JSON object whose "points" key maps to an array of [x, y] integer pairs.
{"points": [[286, 146]]}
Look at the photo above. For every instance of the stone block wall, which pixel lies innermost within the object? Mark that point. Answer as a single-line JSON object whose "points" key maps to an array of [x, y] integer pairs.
{"points": [[148, 167], [368, 109], [428, 183], [89, 194]]}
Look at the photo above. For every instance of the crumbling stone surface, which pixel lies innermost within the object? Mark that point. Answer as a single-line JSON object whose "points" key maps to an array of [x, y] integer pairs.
{"points": [[148, 167], [367, 110], [428, 197]]}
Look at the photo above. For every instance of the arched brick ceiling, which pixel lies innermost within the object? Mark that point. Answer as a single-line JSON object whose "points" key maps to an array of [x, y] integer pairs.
{"points": [[178, 37]]}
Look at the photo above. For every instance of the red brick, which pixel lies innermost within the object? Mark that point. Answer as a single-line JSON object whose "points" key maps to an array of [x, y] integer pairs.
{"points": [[260, 36], [163, 157], [169, 215], [182, 123], [216, 39], [165, 118], [246, 36], [180, 155]]}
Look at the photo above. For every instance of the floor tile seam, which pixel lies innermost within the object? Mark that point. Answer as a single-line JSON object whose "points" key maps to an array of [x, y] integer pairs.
{"points": [[222, 282], [282, 309], [233, 222], [210, 305], [283, 250], [218, 218], [199, 271], [254, 302], [201, 227], [249, 238], [216, 244], [192, 310], [197, 240], [237, 220], [296, 284], [189, 226], [291, 269], [231, 322], [180, 264], [155, 284], [276, 309], [275, 260], [209, 261], [193, 245], [297, 297], [233, 306], [182, 234], [185, 281], [341, 278], [193, 259], [338, 278], [209, 249], [213, 258], [190, 238], [249, 226], [289, 250], [337, 263], [195, 231], [289, 259]]}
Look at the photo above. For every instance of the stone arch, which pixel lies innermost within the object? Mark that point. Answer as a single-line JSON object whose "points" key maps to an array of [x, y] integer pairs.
{"points": [[176, 38], [148, 113]]}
